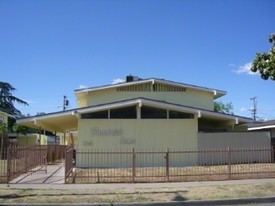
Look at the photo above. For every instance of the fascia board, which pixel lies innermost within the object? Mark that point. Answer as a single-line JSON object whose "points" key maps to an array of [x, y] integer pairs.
{"points": [[46, 116], [135, 102], [218, 93], [113, 86], [226, 116], [9, 115], [262, 127]]}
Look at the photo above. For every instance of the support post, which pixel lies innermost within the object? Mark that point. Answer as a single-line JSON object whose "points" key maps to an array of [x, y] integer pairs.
{"points": [[133, 165], [9, 164], [39, 141], [229, 162], [167, 164], [138, 111]]}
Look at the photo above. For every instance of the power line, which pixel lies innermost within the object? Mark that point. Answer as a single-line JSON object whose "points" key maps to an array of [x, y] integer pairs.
{"points": [[254, 110], [65, 103]]}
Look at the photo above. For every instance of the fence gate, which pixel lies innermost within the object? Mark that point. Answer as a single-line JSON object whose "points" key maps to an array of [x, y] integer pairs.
{"points": [[69, 161]]}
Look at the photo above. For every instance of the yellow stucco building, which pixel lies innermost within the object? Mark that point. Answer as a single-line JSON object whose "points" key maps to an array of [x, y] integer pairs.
{"points": [[139, 113], [4, 117]]}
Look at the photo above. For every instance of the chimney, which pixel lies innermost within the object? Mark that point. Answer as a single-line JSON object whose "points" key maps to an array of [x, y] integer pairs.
{"points": [[131, 78]]}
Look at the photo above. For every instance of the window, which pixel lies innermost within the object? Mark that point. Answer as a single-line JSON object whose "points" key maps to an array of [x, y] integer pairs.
{"points": [[153, 113], [96, 115], [180, 115], [124, 113]]}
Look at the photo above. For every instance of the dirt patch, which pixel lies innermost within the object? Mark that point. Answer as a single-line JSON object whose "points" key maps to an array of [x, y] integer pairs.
{"points": [[175, 174]]}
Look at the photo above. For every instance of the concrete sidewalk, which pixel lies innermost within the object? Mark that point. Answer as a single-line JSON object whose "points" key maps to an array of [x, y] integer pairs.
{"points": [[55, 175], [54, 181]]}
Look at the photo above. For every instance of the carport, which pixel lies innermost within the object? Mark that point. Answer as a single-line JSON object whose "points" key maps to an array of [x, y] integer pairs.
{"points": [[58, 122]]}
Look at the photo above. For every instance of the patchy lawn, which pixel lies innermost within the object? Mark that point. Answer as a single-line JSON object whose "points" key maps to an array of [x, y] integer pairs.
{"points": [[135, 195], [3, 171]]}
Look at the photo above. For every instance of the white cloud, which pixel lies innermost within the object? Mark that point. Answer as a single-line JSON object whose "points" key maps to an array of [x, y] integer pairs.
{"points": [[118, 80], [245, 69], [82, 86], [243, 109]]}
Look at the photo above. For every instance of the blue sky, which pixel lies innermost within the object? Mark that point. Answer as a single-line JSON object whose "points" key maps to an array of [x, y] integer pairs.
{"points": [[50, 48]]}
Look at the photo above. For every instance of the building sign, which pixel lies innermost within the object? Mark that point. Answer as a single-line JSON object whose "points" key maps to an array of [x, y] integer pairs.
{"points": [[88, 143], [106, 132], [127, 141], [117, 132]]}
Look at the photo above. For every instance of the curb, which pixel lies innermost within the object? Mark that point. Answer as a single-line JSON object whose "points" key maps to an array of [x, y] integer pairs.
{"points": [[173, 203], [204, 202]]}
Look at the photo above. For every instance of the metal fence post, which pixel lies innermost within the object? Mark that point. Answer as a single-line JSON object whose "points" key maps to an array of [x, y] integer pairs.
{"points": [[272, 150], [133, 165], [66, 164], [8, 164], [167, 164], [229, 162]]}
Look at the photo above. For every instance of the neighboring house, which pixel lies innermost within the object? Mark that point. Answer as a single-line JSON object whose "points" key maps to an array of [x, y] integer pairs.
{"points": [[268, 126], [4, 117], [33, 138], [144, 114]]}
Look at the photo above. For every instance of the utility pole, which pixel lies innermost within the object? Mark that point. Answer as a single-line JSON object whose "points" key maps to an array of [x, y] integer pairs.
{"points": [[254, 110], [65, 102]]}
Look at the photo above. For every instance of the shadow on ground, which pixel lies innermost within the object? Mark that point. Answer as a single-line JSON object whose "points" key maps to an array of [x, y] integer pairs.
{"points": [[178, 197]]}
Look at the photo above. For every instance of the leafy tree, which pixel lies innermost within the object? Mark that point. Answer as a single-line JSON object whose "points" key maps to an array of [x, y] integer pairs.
{"points": [[20, 129], [264, 63], [7, 100], [223, 108]]}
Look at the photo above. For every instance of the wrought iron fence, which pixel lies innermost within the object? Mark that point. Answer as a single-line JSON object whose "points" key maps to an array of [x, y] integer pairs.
{"points": [[55, 153], [172, 165], [3, 166], [23, 159], [17, 159]]}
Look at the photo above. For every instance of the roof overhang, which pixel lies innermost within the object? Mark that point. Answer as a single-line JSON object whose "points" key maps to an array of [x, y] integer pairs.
{"points": [[217, 93], [68, 120], [262, 127], [55, 122], [6, 114]]}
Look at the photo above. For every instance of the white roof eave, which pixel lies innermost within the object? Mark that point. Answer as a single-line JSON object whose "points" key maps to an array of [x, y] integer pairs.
{"points": [[216, 93], [46, 116], [261, 127], [139, 101], [9, 115]]}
